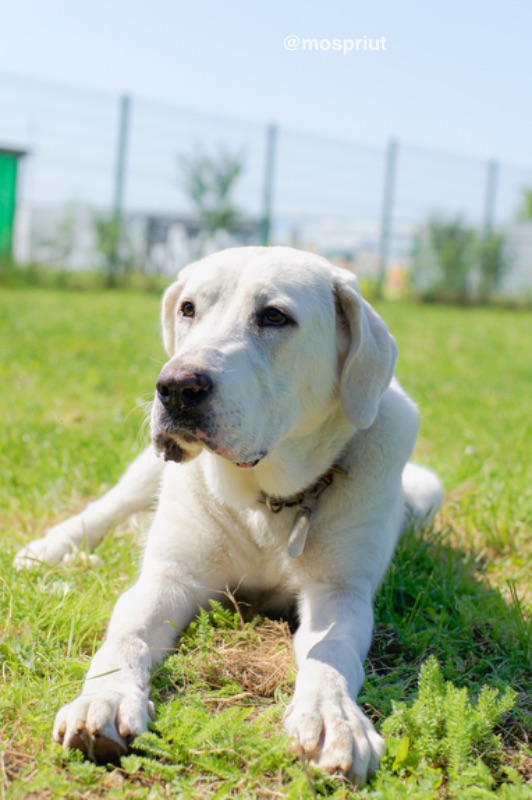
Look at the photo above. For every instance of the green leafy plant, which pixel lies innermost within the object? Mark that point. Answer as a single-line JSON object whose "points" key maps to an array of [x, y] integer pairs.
{"points": [[61, 243], [112, 247], [209, 182], [451, 262], [446, 731], [494, 263], [444, 260]]}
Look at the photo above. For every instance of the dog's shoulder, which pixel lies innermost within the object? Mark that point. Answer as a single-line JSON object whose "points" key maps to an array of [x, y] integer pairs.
{"points": [[387, 444]]}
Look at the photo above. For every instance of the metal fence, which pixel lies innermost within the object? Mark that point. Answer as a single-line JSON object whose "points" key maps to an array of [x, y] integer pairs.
{"points": [[93, 153]]}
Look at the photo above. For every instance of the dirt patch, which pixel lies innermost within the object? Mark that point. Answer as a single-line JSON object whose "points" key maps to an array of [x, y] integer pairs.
{"points": [[259, 661]]}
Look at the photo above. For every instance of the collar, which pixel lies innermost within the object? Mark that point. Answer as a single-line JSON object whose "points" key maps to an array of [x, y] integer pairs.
{"points": [[306, 502]]}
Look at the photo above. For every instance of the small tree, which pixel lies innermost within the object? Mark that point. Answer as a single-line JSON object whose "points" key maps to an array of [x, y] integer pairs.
{"points": [[114, 247], [61, 244], [451, 262], [494, 262], [209, 182], [454, 247], [107, 235]]}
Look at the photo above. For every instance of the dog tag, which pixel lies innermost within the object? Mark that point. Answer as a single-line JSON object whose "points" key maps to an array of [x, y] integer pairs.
{"points": [[298, 536]]}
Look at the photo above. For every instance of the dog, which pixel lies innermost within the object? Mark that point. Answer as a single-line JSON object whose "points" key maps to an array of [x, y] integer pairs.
{"points": [[280, 454]]}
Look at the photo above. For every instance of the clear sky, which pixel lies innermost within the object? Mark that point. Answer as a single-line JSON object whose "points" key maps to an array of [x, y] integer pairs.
{"points": [[453, 75]]}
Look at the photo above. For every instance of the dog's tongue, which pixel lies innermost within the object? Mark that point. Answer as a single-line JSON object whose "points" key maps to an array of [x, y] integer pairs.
{"points": [[248, 464]]}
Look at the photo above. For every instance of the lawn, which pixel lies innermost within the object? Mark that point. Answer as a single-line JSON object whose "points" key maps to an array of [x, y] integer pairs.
{"points": [[76, 371]]}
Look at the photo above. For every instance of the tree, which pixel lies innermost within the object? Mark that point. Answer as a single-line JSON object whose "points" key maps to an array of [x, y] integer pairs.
{"points": [[114, 247], [209, 183], [454, 246], [61, 244], [107, 231], [494, 262], [451, 262]]}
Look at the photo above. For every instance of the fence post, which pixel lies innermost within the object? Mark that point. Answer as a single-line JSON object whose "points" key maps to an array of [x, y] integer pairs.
{"points": [[119, 181], [491, 255], [491, 194], [387, 213], [267, 195]]}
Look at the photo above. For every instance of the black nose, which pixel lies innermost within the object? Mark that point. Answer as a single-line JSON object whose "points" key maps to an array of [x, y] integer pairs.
{"points": [[179, 389]]}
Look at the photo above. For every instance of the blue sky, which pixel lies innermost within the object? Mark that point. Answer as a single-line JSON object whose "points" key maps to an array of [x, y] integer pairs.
{"points": [[455, 76]]}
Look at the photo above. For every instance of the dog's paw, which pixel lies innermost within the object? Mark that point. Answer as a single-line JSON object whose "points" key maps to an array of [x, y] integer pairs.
{"points": [[48, 550], [81, 558], [330, 729], [103, 724]]}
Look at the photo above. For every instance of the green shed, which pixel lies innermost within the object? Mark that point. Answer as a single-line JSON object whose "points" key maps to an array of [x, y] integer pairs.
{"points": [[9, 160]]}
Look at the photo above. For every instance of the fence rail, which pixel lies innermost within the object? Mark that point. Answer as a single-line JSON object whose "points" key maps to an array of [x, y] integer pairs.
{"points": [[95, 153]]}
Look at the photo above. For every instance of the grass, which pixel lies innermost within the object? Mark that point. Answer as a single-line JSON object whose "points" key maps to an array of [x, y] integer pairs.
{"points": [[75, 370]]}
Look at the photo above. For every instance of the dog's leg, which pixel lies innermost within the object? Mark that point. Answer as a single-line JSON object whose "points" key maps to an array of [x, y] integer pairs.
{"points": [[135, 491], [423, 494], [114, 706], [323, 718]]}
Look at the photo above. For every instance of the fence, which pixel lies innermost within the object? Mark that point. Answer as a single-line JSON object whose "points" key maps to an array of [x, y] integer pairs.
{"points": [[95, 153]]}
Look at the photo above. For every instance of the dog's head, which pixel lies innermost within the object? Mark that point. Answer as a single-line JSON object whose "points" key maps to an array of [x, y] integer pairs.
{"points": [[265, 343]]}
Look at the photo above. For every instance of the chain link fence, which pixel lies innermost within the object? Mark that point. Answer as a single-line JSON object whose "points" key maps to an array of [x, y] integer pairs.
{"points": [[95, 156]]}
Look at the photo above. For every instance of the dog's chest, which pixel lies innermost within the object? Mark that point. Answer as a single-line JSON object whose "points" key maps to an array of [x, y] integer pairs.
{"points": [[259, 551]]}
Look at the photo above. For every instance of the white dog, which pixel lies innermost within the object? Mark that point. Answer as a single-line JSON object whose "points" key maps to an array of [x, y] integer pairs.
{"points": [[291, 439]]}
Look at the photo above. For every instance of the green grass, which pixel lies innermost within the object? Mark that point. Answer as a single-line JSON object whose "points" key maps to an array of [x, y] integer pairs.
{"points": [[75, 369]]}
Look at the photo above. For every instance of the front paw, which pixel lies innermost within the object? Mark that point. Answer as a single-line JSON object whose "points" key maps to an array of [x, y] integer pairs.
{"points": [[103, 724], [48, 550], [330, 729]]}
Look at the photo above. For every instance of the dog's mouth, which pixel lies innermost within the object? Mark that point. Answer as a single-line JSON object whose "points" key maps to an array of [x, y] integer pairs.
{"points": [[174, 450], [170, 448], [249, 464]]}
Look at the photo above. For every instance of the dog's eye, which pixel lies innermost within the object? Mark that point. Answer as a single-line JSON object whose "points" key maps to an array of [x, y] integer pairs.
{"points": [[187, 309], [272, 317]]}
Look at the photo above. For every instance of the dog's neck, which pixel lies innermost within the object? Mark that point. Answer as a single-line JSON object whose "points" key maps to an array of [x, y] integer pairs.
{"points": [[296, 463], [305, 503], [305, 498]]}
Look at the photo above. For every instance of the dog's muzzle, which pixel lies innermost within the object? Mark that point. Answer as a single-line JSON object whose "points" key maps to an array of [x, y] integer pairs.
{"points": [[182, 392], [183, 416]]}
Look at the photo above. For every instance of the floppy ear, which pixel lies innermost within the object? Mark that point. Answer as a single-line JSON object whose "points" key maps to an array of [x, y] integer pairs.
{"points": [[370, 361], [168, 313]]}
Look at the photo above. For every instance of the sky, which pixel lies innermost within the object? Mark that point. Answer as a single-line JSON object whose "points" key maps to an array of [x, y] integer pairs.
{"points": [[453, 76]]}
